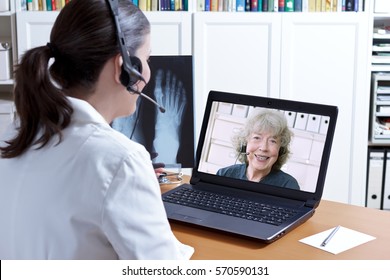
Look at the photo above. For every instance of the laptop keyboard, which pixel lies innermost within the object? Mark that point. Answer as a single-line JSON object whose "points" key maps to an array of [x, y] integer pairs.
{"points": [[231, 206]]}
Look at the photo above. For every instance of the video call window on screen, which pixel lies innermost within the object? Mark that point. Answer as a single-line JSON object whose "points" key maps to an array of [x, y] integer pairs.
{"points": [[307, 144]]}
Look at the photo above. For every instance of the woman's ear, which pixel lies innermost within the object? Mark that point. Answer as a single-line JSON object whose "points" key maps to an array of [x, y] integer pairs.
{"points": [[118, 61]]}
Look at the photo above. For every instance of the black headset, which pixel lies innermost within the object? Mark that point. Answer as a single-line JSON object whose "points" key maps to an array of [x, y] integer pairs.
{"points": [[132, 65], [243, 148]]}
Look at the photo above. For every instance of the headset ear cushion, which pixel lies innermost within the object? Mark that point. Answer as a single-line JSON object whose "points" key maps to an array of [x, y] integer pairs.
{"points": [[243, 148], [130, 77], [124, 77], [136, 63]]}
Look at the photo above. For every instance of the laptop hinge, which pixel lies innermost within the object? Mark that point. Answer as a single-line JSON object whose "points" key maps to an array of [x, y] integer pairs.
{"points": [[312, 203], [194, 180]]}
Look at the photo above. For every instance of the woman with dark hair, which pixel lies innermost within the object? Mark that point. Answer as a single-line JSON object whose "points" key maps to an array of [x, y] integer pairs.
{"points": [[71, 186], [263, 148]]}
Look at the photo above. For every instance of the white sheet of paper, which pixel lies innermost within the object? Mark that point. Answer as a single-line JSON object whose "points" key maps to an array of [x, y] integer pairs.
{"points": [[343, 240]]}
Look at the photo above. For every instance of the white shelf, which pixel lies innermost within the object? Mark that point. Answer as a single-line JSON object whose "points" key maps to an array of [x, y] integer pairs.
{"points": [[380, 68], [381, 36], [380, 49], [7, 82], [380, 59]]}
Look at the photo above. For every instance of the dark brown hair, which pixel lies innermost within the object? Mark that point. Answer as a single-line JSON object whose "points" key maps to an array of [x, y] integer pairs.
{"points": [[83, 38]]}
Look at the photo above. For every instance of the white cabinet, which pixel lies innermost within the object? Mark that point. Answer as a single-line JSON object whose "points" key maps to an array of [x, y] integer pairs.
{"points": [[314, 57], [171, 31], [324, 59], [236, 52]]}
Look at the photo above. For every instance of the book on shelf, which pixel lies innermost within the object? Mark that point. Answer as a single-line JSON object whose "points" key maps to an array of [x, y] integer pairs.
{"points": [[312, 5], [281, 5], [383, 109], [200, 5], [240, 5], [383, 90], [265, 6], [381, 59], [214, 5], [273, 5], [254, 5], [289, 5], [349, 5], [381, 48], [298, 5], [383, 98]]}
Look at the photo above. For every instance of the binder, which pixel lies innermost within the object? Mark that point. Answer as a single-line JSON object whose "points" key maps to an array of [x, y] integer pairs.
{"points": [[313, 123], [301, 121], [386, 185], [224, 108], [290, 117], [6, 115], [376, 159], [4, 6], [5, 61], [240, 110], [324, 124]]}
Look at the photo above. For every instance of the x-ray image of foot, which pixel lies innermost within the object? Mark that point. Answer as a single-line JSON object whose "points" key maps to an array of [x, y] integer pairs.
{"points": [[170, 93]]}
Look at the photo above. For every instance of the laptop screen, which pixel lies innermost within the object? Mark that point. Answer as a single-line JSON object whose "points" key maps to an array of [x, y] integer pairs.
{"points": [[279, 143]]}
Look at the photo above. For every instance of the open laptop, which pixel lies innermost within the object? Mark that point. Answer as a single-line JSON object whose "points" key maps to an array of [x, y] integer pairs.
{"points": [[253, 209]]}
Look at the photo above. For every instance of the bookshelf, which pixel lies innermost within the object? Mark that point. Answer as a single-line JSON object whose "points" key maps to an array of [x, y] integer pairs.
{"points": [[380, 73], [379, 115], [217, 6], [8, 36], [7, 60], [380, 109]]}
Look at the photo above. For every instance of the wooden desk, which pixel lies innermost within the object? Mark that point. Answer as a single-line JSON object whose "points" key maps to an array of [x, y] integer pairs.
{"points": [[212, 245]]}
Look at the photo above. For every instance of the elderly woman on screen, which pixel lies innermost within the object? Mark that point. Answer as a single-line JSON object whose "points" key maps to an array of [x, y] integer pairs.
{"points": [[262, 147]]}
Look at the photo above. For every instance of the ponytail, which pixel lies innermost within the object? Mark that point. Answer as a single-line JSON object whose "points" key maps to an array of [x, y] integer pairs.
{"points": [[42, 108]]}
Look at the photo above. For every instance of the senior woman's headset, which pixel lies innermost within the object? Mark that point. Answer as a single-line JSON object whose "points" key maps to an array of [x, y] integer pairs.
{"points": [[132, 65]]}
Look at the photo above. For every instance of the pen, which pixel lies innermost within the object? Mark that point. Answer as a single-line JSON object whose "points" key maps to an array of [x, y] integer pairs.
{"points": [[329, 237]]}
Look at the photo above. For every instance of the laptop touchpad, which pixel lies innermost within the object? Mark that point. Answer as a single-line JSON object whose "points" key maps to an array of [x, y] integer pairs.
{"points": [[188, 218]]}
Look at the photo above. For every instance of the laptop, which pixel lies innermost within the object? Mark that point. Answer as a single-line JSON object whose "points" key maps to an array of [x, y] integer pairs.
{"points": [[263, 210]]}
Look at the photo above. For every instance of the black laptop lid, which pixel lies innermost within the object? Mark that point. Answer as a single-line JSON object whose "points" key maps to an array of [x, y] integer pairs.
{"points": [[312, 126]]}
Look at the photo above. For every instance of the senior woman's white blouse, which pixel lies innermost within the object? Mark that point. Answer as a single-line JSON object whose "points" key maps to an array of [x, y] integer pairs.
{"points": [[93, 196]]}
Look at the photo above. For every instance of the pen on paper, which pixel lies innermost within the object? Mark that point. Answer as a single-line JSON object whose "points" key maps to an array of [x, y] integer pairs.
{"points": [[330, 236]]}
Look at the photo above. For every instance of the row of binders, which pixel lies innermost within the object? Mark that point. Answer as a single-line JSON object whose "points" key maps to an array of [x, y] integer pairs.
{"points": [[309, 122], [378, 179]]}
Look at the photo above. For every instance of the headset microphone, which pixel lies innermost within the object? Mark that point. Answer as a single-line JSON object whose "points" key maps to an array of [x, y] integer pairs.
{"points": [[132, 65], [161, 108]]}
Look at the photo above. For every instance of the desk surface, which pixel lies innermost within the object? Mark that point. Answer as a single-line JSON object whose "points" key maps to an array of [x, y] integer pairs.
{"points": [[213, 245]]}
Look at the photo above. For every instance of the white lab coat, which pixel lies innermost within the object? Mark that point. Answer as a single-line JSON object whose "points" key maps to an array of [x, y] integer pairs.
{"points": [[93, 196]]}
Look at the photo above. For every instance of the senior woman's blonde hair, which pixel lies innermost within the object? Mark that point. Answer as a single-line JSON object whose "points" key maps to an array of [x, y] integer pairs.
{"points": [[268, 120]]}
